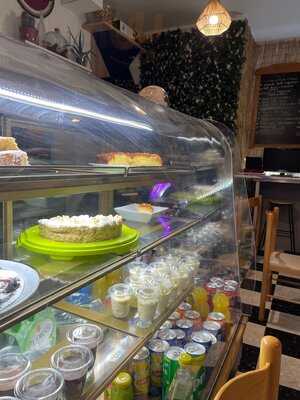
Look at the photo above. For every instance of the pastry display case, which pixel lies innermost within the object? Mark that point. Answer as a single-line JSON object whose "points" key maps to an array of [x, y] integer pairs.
{"points": [[119, 230]]}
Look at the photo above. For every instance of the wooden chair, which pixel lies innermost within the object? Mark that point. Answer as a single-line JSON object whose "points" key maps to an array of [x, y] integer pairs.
{"points": [[255, 205], [274, 261], [244, 225], [261, 384]]}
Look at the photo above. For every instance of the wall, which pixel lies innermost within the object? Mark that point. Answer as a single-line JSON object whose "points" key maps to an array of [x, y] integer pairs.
{"points": [[61, 17]]}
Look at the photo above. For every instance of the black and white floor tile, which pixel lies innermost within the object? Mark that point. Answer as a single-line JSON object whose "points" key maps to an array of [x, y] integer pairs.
{"points": [[282, 320]]}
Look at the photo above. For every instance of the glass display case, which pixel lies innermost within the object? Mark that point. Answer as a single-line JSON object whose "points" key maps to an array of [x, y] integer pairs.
{"points": [[118, 217]]}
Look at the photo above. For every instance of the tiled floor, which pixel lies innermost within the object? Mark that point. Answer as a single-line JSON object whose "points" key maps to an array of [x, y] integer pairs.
{"points": [[282, 321]]}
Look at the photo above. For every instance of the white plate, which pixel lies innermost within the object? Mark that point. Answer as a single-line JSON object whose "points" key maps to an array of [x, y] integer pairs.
{"points": [[132, 213], [29, 279]]}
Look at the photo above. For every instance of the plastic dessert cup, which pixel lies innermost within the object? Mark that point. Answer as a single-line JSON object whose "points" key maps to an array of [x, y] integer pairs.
{"points": [[12, 367], [73, 362], [120, 295], [40, 384], [88, 335], [147, 305]]}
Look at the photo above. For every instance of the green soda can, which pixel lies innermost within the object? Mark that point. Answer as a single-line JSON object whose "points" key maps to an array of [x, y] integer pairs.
{"points": [[170, 366]]}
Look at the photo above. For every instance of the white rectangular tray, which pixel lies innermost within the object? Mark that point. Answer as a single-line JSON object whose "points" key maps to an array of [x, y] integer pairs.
{"points": [[132, 213]]}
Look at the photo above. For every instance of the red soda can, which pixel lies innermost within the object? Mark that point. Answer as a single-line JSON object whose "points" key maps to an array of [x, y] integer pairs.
{"points": [[195, 317], [182, 308]]}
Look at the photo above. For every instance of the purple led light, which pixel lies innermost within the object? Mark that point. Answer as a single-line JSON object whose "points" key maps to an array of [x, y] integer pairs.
{"points": [[158, 190]]}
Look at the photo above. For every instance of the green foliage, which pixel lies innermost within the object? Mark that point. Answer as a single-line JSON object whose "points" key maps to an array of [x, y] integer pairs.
{"points": [[201, 75]]}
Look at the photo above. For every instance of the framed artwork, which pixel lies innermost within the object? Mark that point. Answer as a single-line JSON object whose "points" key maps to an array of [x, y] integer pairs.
{"points": [[36, 7]]}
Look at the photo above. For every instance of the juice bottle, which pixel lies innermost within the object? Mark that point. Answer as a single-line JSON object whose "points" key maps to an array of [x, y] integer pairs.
{"points": [[200, 302], [221, 305], [100, 288], [114, 277]]}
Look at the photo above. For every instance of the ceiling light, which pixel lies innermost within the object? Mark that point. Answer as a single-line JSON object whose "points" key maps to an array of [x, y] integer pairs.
{"points": [[214, 20]]}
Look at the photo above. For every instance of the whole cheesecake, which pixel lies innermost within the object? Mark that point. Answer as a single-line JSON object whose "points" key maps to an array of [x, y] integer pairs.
{"points": [[81, 229]]}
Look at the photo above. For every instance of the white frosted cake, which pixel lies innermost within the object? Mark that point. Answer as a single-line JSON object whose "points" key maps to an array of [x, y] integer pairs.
{"points": [[81, 229]]}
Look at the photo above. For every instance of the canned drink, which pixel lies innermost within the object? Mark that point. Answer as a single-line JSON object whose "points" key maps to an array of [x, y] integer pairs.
{"points": [[168, 335], [213, 338], [219, 281], [211, 289], [202, 337], [231, 292], [197, 352], [180, 337], [217, 317], [231, 282], [182, 308], [170, 366], [140, 370], [157, 349], [195, 317], [186, 325], [166, 325], [213, 327], [173, 318]]}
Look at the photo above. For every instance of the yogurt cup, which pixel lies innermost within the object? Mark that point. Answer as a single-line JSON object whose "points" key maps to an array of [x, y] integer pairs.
{"points": [[73, 363], [12, 367], [89, 335], [147, 305], [40, 384], [120, 295]]}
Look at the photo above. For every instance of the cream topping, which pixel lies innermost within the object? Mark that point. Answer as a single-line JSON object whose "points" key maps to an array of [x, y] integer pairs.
{"points": [[81, 221]]}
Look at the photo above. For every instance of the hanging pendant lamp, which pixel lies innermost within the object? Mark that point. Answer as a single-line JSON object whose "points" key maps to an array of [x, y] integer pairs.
{"points": [[214, 20]]}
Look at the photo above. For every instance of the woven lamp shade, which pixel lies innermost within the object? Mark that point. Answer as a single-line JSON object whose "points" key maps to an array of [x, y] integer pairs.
{"points": [[214, 20]]}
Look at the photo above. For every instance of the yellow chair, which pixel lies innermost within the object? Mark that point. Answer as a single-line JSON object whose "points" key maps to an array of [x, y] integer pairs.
{"points": [[274, 261], [261, 384]]}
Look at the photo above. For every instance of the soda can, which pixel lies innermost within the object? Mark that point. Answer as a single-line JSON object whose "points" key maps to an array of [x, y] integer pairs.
{"points": [[173, 318], [214, 328], [140, 371], [202, 337], [231, 292], [170, 366], [231, 282], [157, 349], [182, 308], [211, 289], [197, 352], [180, 337], [168, 335], [166, 325], [217, 317], [186, 325], [195, 317]]}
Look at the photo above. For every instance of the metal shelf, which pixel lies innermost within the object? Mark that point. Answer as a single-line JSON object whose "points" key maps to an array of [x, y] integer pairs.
{"points": [[65, 283], [143, 336]]}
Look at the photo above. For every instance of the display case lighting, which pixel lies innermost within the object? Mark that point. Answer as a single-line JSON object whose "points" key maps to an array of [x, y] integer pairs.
{"points": [[40, 102]]}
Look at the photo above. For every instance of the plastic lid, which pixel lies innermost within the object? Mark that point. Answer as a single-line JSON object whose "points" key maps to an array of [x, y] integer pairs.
{"points": [[40, 384], [86, 334], [72, 361], [12, 366], [120, 289], [147, 292], [185, 359], [123, 380]]}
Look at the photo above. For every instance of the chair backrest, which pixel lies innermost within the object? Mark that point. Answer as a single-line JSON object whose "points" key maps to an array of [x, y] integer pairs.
{"points": [[261, 384], [272, 218], [255, 205]]}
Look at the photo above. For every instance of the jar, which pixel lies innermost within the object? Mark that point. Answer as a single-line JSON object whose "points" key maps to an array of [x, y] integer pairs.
{"points": [[120, 295]]}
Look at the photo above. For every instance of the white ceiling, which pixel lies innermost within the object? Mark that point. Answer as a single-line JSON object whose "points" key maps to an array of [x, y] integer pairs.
{"points": [[269, 19]]}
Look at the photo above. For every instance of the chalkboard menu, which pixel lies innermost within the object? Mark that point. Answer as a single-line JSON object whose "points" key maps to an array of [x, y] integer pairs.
{"points": [[277, 121]]}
